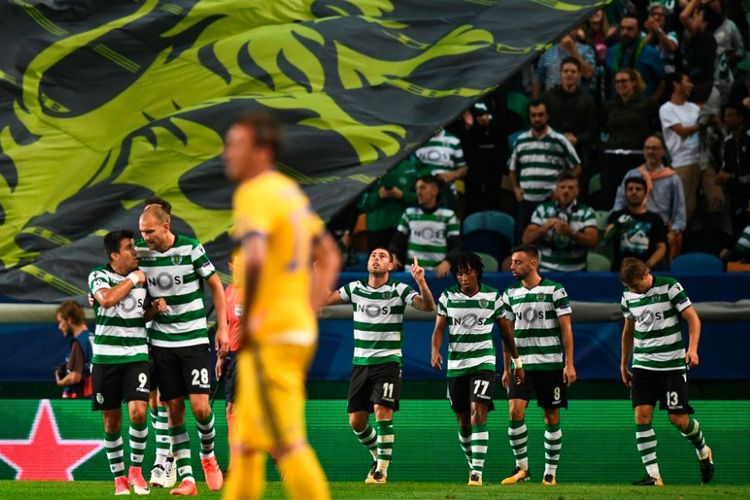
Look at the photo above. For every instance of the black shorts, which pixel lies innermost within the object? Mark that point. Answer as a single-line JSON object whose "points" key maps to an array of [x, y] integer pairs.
{"points": [[546, 385], [180, 371], [151, 378], [119, 382], [668, 387], [478, 387], [230, 376], [374, 385]]}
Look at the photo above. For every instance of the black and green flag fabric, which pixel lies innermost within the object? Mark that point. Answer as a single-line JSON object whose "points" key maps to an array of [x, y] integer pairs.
{"points": [[106, 102]]}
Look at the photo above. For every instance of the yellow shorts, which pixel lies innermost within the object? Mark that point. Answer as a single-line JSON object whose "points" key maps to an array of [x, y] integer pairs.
{"points": [[270, 401]]}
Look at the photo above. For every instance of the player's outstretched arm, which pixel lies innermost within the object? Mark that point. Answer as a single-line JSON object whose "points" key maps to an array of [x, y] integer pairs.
{"points": [[255, 250], [566, 329], [628, 332], [437, 340], [694, 334], [424, 301], [220, 305], [327, 259], [108, 297], [509, 346]]}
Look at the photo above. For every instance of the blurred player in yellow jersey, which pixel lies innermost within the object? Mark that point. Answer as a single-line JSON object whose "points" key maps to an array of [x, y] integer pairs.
{"points": [[280, 239]]}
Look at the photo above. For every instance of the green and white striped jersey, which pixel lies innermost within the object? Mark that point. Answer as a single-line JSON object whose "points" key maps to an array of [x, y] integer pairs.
{"points": [[378, 319], [176, 275], [120, 334], [441, 154], [560, 252], [470, 320], [540, 161], [535, 314], [428, 234], [743, 243], [658, 343]]}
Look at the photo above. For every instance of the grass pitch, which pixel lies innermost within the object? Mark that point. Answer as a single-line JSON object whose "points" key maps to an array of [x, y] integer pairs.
{"points": [[93, 490]]}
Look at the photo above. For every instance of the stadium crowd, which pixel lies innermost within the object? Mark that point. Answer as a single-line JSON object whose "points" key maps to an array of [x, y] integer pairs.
{"points": [[628, 137]]}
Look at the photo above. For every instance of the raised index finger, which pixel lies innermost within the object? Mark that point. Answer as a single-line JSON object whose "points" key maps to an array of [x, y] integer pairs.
{"points": [[416, 262]]}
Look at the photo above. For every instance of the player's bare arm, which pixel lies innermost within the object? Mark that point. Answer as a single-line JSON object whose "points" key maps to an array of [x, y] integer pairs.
{"points": [[509, 346], [694, 335], [108, 297], [628, 332], [424, 301], [437, 340], [327, 260], [566, 328], [255, 249], [220, 306]]}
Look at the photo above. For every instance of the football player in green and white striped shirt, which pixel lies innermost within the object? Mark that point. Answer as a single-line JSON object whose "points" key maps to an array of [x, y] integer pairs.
{"points": [[563, 228], [652, 336], [175, 267], [120, 362], [469, 309], [540, 311], [427, 232], [379, 305]]}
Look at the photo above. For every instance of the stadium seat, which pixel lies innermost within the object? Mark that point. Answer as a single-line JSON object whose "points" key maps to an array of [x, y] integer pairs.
{"points": [[488, 242], [601, 220], [490, 262], [697, 263], [518, 102], [493, 221], [597, 263]]}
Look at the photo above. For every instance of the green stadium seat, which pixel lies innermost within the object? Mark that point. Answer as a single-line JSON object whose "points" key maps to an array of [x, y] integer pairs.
{"points": [[697, 263], [490, 262], [491, 220], [597, 263], [601, 220]]}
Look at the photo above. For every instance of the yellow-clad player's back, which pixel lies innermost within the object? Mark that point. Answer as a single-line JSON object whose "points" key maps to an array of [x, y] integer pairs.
{"points": [[273, 207]]}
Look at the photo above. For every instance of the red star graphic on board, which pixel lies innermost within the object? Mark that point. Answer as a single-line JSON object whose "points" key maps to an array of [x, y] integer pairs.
{"points": [[45, 455]]}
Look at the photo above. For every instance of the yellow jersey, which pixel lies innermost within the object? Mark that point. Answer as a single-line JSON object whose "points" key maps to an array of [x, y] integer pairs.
{"points": [[274, 207]]}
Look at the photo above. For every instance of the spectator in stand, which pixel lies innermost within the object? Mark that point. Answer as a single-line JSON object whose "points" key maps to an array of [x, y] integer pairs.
{"points": [[734, 173], [563, 229], [548, 68], [699, 50], [428, 232], [74, 375], [729, 39], [386, 200], [599, 35], [636, 231], [486, 148], [679, 124], [627, 120], [572, 111], [665, 194], [741, 250], [536, 161], [665, 42], [633, 52], [442, 157]]}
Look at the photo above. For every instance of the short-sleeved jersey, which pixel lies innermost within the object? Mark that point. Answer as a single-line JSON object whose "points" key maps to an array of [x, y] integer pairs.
{"points": [[536, 314], [176, 276], [742, 247], [378, 319], [120, 334], [428, 235], [560, 252], [273, 207], [658, 343], [540, 161], [470, 320], [441, 154]]}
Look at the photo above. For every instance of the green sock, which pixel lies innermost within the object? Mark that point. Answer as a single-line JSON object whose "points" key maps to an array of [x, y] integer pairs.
{"points": [[552, 446], [115, 453], [645, 440], [138, 434], [181, 451], [207, 434], [369, 438], [385, 444], [480, 438], [464, 437], [518, 436]]}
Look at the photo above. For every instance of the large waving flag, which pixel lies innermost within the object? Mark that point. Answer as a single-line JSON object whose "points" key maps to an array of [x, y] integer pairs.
{"points": [[103, 103]]}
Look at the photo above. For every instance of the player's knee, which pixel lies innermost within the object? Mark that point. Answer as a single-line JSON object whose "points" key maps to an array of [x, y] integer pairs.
{"points": [[679, 420], [551, 417], [202, 412], [138, 415], [357, 422], [517, 412]]}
